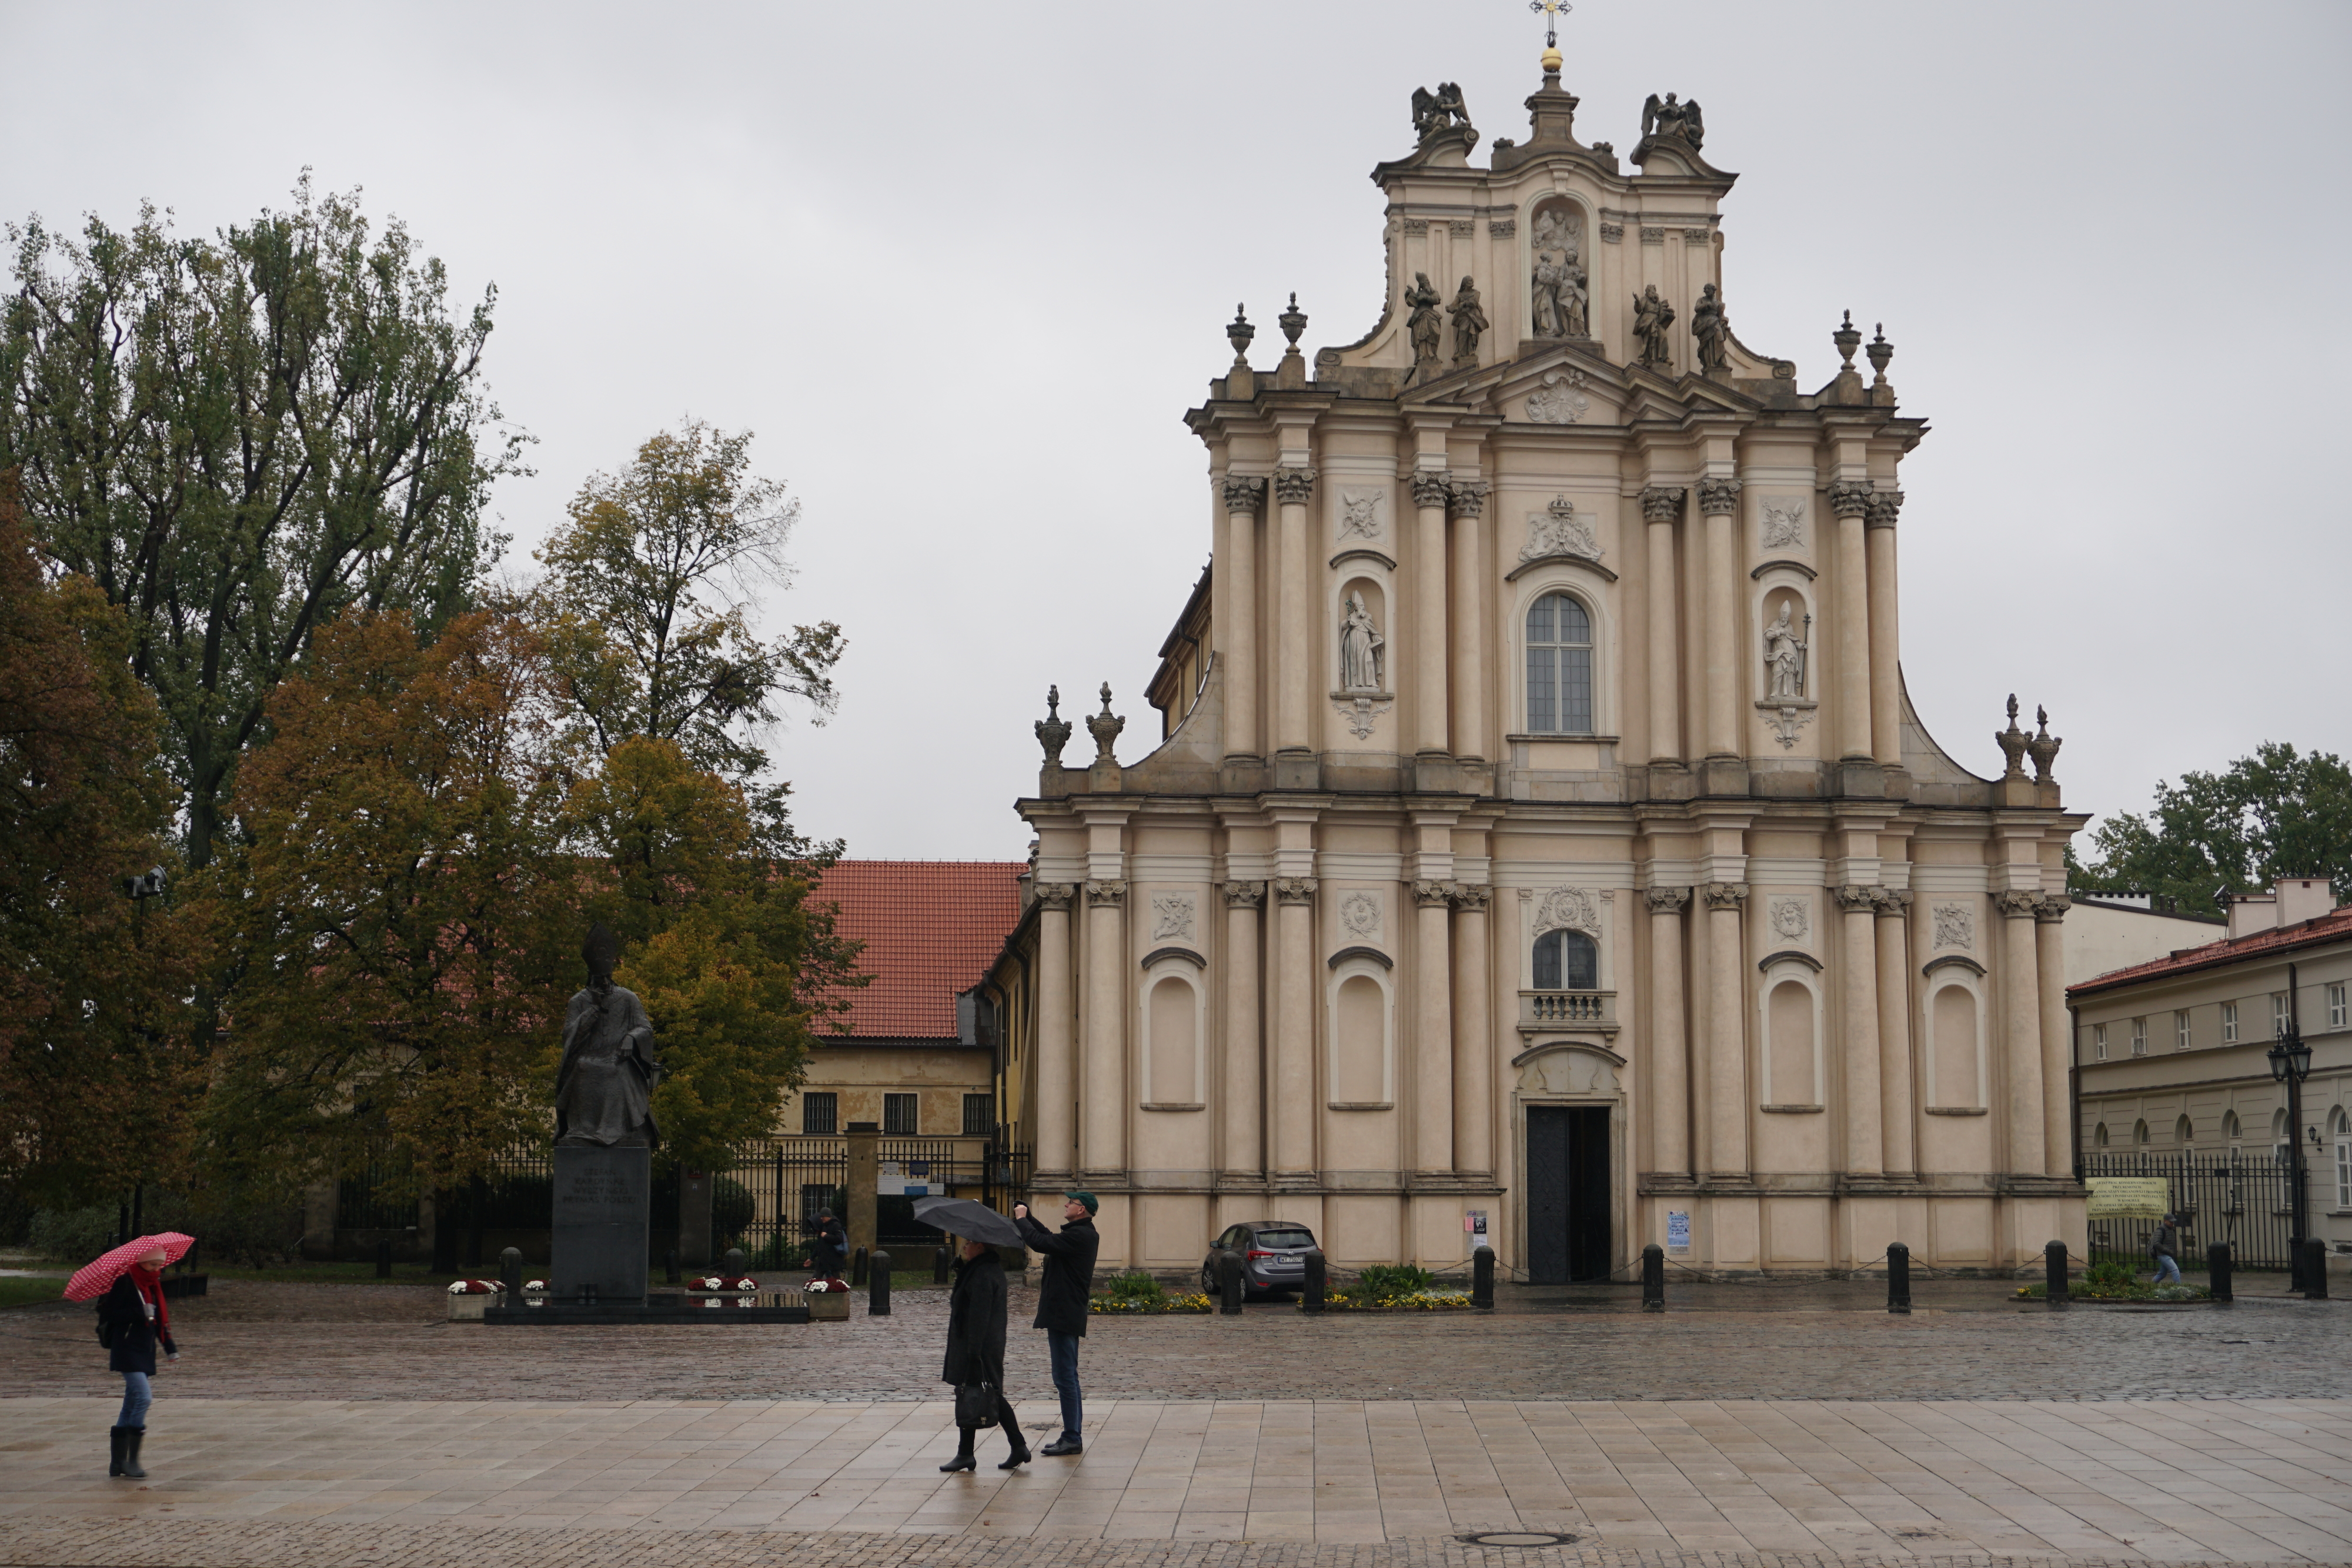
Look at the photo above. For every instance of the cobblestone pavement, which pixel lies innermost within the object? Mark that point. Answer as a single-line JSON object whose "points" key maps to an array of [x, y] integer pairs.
{"points": [[2224, 1480], [353, 1341]]}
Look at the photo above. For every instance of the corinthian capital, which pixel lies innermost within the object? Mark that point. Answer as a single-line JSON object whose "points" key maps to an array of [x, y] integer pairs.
{"points": [[2017, 905], [1716, 496], [1244, 492], [1668, 900], [1894, 903], [1293, 889], [1106, 895], [1855, 898], [1429, 489], [1661, 503], [1056, 894], [1294, 486], [1885, 506], [1469, 497], [2052, 907], [1433, 895], [1848, 499], [1471, 900], [1244, 895], [1725, 895]]}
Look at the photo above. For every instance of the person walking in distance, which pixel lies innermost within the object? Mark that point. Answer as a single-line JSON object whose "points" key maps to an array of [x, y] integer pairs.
{"points": [[976, 1321], [1062, 1294], [831, 1254], [133, 1320], [2164, 1247]]}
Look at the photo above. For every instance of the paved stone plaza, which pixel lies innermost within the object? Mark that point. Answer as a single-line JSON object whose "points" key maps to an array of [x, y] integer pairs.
{"points": [[341, 1424]]}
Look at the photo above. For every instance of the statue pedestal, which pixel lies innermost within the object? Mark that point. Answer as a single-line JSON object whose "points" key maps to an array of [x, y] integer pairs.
{"points": [[603, 1202]]}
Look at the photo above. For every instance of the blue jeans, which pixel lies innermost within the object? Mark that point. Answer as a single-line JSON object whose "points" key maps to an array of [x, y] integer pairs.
{"points": [[136, 1397], [2168, 1270], [1064, 1348]]}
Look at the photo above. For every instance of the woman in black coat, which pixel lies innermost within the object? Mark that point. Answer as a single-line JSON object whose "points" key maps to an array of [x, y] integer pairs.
{"points": [[135, 1318], [976, 1313]]}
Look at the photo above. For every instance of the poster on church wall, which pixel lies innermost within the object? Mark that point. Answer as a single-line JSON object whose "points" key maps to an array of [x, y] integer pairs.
{"points": [[1677, 1231]]}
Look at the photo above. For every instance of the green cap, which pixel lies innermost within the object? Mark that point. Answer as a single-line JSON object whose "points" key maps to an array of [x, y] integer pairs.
{"points": [[1086, 1198]]}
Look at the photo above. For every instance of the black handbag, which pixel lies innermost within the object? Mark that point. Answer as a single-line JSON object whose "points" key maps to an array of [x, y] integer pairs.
{"points": [[976, 1404]]}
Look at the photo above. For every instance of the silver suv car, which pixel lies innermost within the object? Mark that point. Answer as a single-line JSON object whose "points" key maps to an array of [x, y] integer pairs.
{"points": [[1274, 1256]]}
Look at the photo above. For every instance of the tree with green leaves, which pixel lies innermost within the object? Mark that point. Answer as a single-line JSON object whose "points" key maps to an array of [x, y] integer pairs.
{"points": [[2278, 814], [238, 439]]}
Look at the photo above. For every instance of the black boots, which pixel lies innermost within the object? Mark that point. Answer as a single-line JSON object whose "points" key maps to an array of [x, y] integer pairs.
{"points": [[963, 1459], [123, 1447], [1020, 1456], [114, 1446]]}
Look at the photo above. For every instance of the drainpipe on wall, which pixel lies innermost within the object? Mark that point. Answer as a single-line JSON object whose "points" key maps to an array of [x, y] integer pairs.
{"points": [[2075, 1081]]}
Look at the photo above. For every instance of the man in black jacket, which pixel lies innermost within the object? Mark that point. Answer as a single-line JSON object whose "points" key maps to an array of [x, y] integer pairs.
{"points": [[1062, 1295]]}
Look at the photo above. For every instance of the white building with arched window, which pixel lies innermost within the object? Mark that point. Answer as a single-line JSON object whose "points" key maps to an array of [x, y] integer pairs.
{"points": [[1538, 806]]}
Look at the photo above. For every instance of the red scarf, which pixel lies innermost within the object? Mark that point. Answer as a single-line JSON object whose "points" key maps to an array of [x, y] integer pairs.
{"points": [[150, 1285]]}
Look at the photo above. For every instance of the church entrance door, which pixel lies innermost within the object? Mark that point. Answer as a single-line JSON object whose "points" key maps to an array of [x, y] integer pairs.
{"points": [[1567, 1194]]}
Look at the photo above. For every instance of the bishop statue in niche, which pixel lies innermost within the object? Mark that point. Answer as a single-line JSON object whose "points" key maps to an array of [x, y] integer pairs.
{"points": [[1360, 649], [1784, 655]]}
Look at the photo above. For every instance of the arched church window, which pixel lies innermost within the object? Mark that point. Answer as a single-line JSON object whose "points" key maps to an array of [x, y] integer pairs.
{"points": [[1566, 961], [2099, 1136], [1559, 666]]}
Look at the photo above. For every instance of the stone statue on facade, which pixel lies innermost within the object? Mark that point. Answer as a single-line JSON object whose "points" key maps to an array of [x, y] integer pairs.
{"points": [[1424, 324], [1711, 327], [1664, 117], [1652, 317], [604, 1085], [1559, 292], [1434, 111], [1359, 648], [1469, 322], [1784, 655]]}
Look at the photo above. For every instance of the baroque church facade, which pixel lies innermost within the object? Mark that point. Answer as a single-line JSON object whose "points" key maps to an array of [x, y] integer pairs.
{"points": [[1542, 843]]}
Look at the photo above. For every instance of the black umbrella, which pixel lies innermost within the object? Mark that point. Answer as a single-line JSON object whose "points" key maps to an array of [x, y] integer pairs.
{"points": [[973, 1221]]}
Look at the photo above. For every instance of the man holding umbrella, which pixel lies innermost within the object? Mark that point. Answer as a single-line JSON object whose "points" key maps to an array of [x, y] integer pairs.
{"points": [[132, 1319], [1062, 1296]]}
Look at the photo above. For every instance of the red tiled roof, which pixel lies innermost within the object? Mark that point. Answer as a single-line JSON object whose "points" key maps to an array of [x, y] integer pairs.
{"points": [[931, 928], [2336, 926]]}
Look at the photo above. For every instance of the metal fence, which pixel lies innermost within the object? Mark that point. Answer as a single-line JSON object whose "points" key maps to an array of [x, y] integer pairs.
{"points": [[2228, 1197]]}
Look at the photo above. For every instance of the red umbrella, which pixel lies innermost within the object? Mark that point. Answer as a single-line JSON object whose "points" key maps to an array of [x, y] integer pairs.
{"points": [[95, 1278]]}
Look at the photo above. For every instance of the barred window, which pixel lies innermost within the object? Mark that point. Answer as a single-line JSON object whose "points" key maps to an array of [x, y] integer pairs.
{"points": [[979, 1115], [821, 1112], [1559, 667], [899, 1114]]}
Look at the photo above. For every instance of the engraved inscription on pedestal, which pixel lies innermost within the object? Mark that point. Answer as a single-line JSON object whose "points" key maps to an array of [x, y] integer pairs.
{"points": [[603, 1199]]}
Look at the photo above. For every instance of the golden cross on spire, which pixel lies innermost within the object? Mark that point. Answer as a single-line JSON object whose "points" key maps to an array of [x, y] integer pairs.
{"points": [[1551, 11]]}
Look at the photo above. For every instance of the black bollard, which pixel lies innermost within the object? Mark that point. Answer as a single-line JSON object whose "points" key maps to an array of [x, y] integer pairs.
{"points": [[2053, 1276], [2217, 1271], [669, 1266], [383, 1259], [877, 1284], [1319, 1282], [858, 1268], [2315, 1270], [1898, 1277], [735, 1265], [1481, 1276], [511, 1276], [1229, 1282], [940, 1265], [1654, 1277]]}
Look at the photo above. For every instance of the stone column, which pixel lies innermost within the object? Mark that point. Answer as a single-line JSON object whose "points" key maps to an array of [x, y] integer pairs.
{"points": [[1865, 1144], [1295, 664], [1292, 1080], [1238, 639], [1885, 644], [1726, 1055], [1851, 501], [1469, 498], [1102, 1131], [1245, 1149], [1433, 1042], [1474, 1079], [1661, 508], [2057, 1035], [1056, 1113], [2021, 987], [1726, 628], [1895, 1114], [1669, 1086], [1431, 734]]}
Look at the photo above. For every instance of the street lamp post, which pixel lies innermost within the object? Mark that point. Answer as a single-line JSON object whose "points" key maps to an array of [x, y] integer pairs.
{"points": [[2290, 1061]]}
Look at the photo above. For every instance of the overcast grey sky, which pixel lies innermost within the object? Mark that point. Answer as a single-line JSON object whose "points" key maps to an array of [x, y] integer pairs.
{"points": [[963, 268]]}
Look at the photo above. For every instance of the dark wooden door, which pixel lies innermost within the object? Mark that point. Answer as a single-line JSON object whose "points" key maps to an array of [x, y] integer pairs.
{"points": [[1567, 1194]]}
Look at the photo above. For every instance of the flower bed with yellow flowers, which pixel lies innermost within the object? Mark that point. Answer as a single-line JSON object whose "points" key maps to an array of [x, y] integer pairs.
{"points": [[1137, 1294]]}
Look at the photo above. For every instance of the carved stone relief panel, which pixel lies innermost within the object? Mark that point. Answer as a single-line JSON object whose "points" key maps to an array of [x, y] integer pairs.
{"points": [[1568, 1072], [1570, 909], [1360, 916], [1560, 529], [1791, 919], [1956, 926], [1561, 400], [1783, 522], [1359, 514], [1172, 917]]}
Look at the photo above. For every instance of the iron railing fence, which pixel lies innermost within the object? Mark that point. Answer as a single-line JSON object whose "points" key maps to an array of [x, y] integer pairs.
{"points": [[2231, 1198]]}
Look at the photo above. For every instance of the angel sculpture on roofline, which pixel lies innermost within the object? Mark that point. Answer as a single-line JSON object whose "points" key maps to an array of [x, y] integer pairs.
{"points": [[1434, 111], [1664, 117]]}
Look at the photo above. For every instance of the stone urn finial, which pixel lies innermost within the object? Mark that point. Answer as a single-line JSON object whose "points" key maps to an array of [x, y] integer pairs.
{"points": [[1294, 321], [1239, 333], [2042, 747], [1847, 338], [1880, 352], [2013, 742], [1053, 730], [1104, 727]]}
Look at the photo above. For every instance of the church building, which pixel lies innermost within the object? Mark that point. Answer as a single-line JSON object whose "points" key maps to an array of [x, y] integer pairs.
{"points": [[1540, 843]]}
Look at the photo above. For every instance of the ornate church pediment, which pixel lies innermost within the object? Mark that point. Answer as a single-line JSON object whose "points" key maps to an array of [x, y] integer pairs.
{"points": [[1561, 385], [1568, 1067]]}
